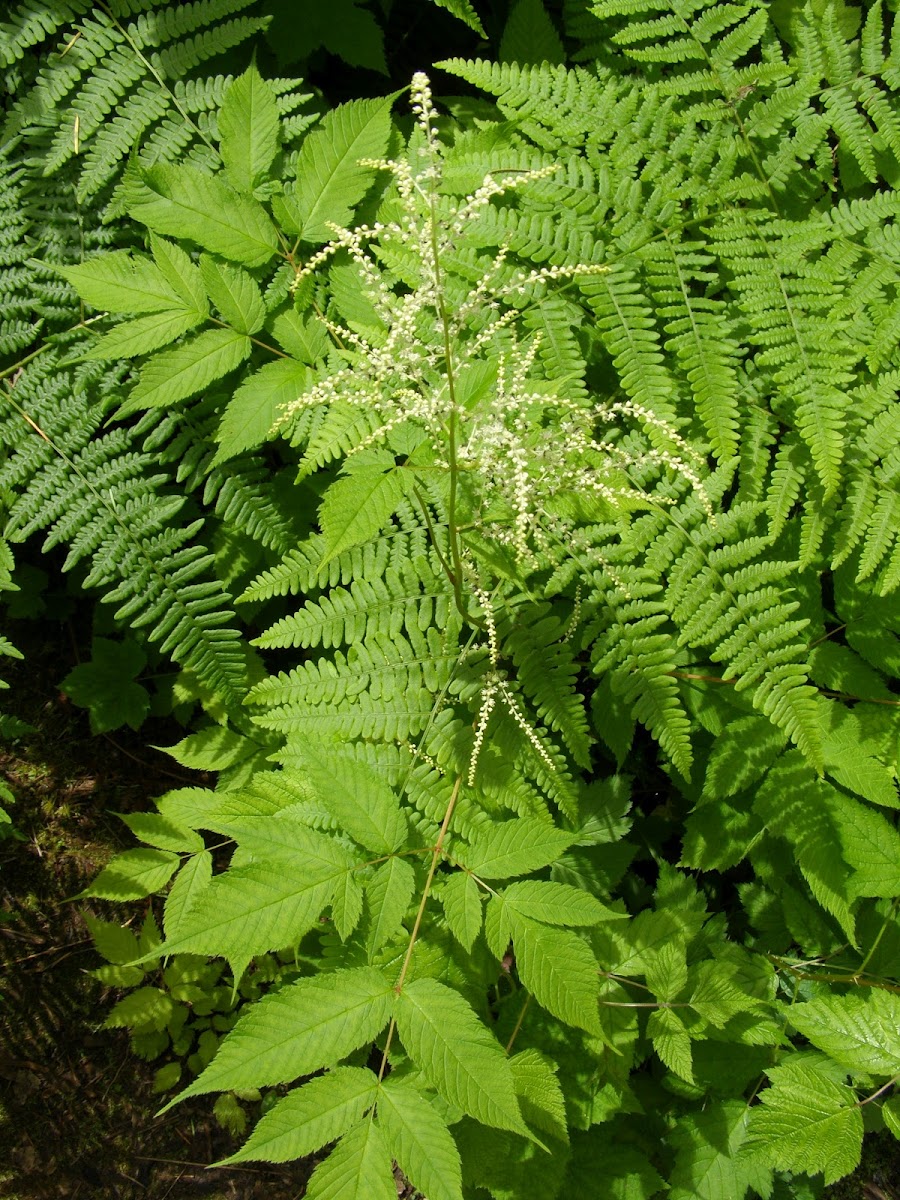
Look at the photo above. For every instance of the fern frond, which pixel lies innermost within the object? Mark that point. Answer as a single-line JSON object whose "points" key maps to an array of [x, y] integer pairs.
{"points": [[100, 495], [114, 82]]}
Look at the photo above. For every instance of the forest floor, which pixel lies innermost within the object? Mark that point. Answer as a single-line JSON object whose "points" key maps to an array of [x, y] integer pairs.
{"points": [[76, 1106]]}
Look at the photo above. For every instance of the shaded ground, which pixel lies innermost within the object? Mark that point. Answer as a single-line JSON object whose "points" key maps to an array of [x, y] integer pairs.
{"points": [[76, 1107]]}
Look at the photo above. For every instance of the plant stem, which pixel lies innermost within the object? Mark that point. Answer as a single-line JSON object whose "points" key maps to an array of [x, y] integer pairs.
{"points": [[413, 937]]}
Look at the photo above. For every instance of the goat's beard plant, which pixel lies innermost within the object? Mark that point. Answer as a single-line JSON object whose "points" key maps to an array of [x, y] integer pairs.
{"points": [[454, 706]]}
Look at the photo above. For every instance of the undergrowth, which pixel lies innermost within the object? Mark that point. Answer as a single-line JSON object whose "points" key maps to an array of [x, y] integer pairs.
{"points": [[503, 490]]}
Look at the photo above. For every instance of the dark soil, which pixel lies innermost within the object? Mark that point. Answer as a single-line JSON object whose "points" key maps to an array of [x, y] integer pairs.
{"points": [[76, 1106]]}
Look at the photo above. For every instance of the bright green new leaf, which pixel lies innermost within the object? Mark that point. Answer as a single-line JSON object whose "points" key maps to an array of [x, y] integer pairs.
{"points": [[330, 180], [389, 893], [359, 799], [183, 202], [861, 1032], [265, 903], [806, 1123], [249, 129], [461, 1060], [310, 1117], [871, 845], [177, 374], [709, 1164], [299, 1029], [514, 847], [134, 875], [671, 1042], [461, 899], [106, 685], [256, 405], [148, 1006], [188, 886], [559, 970], [234, 293], [114, 942], [211, 749], [359, 1168], [157, 830], [358, 506], [182, 274], [540, 1093], [419, 1140], [555, 903], [346, 904], [144, 334], [303, 336], [119, 281]]}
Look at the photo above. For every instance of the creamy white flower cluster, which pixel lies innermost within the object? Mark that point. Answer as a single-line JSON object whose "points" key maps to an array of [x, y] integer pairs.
{"points": [[439, 332]]}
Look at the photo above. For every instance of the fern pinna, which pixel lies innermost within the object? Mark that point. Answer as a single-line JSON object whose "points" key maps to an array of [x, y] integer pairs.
{"points": [[597, 389]]}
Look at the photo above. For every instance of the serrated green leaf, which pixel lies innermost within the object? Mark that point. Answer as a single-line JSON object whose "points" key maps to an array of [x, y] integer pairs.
{"points": [[807, 1123], [359, 1168], [559, 970], [389, 893], [189, 885], [182, 275], [256, 405], [801, 808], [134, 875], [890, 1111], [530, 37], [182, 202], [871, 845], [120, 281], [540, 1093], [310, 1117], [359, 799], [211, 749], [357, 507], [419, 1140], [299, 1029], [177, 374], [515, 847], [556, 903], [709, 1164], [671, 1042], [461, 1060], [330, 181], [148, 1007], [234, 293], [114, 942], [265, 903], [156, 830], [862, 1033], [346, 904], [461, 900], [144, 334], [304, 337], [249, 129]]}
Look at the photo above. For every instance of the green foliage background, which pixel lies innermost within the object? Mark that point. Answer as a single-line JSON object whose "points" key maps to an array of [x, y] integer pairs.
{"points": [[525, 565]]}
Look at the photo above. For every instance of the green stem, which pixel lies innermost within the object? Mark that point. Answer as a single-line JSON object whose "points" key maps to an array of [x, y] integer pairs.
{"points": [[413, 937]]}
